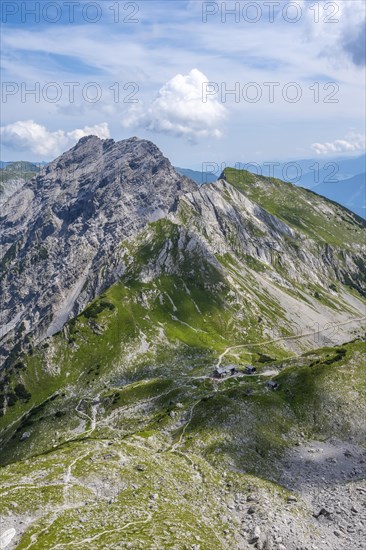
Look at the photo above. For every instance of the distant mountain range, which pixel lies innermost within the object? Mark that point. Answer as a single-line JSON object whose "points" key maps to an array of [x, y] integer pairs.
{"points": [[13, 175], [341, 180], [14, 163], [351, 193], [304, 172], [311, 172], [195, 175]]}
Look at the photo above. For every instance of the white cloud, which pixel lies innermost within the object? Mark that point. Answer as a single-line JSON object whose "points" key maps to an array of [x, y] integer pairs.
{"points": [[27, 135], [353, 143], [179, 109], [170, 43], [338, 29], [101, 130]]}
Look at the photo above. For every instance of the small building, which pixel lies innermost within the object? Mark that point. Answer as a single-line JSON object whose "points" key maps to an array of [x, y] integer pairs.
{"points": [[224, 372], [249, 369], [272, 385]]}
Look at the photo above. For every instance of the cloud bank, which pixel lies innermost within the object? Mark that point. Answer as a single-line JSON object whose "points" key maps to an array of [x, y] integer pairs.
{"points": [[352, 143], [178, 110], [27, 135]]}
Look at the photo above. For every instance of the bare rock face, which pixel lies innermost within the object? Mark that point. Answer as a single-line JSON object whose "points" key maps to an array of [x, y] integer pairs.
{"points": [[61, 233], [229, 221]]}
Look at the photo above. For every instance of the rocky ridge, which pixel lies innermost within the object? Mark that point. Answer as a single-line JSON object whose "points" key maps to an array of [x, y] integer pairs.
{"points": [[62, 235]]}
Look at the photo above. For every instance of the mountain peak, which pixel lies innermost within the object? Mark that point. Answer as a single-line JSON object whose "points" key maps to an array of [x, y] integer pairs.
{"points": [[69, 221], [86, 139], [98, 162]]}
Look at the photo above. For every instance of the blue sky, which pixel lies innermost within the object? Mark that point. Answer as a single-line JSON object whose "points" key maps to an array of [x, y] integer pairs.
{"points": [[119, 69]]}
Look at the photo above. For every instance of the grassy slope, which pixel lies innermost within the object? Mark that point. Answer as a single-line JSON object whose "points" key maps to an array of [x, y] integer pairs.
{"points": [[15, 170], [305, 211], [321, 394], [174, 324], [177, 324], [175, 438]]}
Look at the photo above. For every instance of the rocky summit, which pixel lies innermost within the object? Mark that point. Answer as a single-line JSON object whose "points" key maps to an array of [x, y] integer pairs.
{"points": [[182, 366], [60, 233]]}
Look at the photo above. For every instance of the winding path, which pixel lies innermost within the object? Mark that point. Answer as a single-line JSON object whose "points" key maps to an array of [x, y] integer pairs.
{"points": [[297, 337]]}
